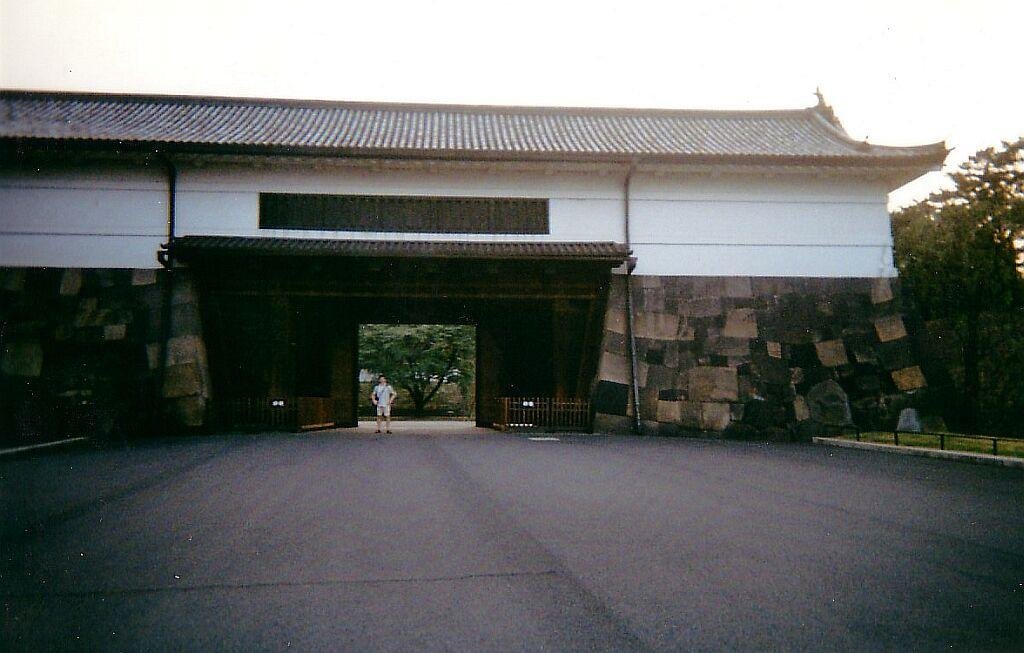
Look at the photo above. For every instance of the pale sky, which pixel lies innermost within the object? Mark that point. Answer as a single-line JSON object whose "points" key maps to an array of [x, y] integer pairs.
{"points": [[897, 72]]}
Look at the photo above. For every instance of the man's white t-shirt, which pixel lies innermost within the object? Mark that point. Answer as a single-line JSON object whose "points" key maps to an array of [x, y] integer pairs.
{"points": [[384, 394]]}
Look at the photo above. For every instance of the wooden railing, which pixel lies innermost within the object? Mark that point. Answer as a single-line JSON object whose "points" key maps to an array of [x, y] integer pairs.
{"points": [[277, 413], [544, 413]]}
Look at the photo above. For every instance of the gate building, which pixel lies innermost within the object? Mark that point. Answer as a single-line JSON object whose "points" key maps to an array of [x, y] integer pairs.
{"points": [[176, 260]]}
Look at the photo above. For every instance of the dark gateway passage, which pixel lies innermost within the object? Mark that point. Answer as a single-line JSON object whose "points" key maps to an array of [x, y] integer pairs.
{"points": [[281, 318]]}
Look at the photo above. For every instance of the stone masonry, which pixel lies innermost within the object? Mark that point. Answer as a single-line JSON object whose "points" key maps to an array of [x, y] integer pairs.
{"points": [[80, 354], [756, 357]]}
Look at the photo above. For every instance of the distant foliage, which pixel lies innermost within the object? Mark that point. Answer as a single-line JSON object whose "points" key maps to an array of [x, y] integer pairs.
{"points": [[959, 256], [419, 359]]}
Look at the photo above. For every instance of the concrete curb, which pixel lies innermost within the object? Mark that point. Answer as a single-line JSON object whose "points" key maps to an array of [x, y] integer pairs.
{"points": [[42, 445], [964, 456]]}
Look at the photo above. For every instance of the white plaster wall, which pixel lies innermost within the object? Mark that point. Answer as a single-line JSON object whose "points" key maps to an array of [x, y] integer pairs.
{"points": [[101, 217], [681, 225], [721, 225], [225, 201]]}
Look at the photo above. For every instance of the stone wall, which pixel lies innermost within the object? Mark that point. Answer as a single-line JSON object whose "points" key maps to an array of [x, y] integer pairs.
{"points": [[757, 357], [80, 354]]}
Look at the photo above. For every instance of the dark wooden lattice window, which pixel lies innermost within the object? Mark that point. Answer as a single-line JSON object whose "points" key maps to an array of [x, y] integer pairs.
{"points": [[446, 215]]}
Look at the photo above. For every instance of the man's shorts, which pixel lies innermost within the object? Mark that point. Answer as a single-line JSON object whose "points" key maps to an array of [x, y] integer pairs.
{"points": [[383, 411]]}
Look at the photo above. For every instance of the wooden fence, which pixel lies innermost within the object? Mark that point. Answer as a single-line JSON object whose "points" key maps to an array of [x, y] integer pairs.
{"points": [[544, 413], [277, 413]]}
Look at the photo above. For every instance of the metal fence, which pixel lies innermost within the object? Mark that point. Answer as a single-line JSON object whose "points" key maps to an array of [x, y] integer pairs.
{"points": [[544, 413], [943, 437]]}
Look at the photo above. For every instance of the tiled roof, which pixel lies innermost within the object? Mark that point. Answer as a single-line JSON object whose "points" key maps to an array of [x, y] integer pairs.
{"points": [[441, 131], [575, 251]]}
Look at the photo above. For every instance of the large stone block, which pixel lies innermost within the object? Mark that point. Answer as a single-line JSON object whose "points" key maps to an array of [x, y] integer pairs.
{"points": [[861, 347], [738, 287], [641, 373], [715, 416], [800, 409], [831, 353], [895, 355], [12, 279], [186, 349], [649, 281], [890, 328], [690, 414], [656, 326], [729, 347], [736, 412], [672, 394], [615, 368], [190, 411], [106, 278], [70, 282], [606, 423], [648, 402], [22, 359], [651, 300], [703, 287], [615, 319], [712, 384], [828, 404], [748, 388], [87, 313], [670, 354], [143, 277], [115, 331], [881, 291], [669, 411], [659, 376], [740, 323], [185, 320], [611, 398], [183, 292], [762, 413], [793, 319], [183, 380], [686, 332], [909, 378], [701, 307], [615, 343]]}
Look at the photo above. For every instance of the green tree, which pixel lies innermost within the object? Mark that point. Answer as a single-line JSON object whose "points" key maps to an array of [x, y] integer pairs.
{"points": [[420, 358], [958, 252]]}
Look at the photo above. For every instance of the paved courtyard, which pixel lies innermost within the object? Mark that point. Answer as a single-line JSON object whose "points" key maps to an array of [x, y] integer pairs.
{"points": [[452, 538]]}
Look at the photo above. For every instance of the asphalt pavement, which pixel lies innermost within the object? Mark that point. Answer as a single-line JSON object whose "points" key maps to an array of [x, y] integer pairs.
{"points": [[446, 537]]}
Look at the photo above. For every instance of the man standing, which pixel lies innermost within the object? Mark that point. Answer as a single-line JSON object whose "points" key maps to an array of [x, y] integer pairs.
{"points": [[383, 396]]}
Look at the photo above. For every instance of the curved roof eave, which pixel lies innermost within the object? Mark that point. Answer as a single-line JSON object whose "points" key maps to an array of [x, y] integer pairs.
{"points": [[924, 156]]}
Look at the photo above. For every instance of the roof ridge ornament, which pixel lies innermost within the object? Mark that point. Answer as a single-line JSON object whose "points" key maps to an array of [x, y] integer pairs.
{"points": [[826, 111]]}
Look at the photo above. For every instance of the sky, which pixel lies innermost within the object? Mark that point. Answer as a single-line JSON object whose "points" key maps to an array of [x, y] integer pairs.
{"points": [[899, 72]]}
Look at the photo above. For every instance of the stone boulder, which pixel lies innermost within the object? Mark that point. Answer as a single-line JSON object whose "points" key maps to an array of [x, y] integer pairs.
{"points": [[909, 421], [829, 405]]}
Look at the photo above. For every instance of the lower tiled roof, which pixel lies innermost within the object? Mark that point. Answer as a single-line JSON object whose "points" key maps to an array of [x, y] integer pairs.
{"points": [[565, 251]]}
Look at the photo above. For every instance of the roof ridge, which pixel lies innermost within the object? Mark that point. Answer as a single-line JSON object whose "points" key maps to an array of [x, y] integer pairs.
{"points": [[300, 103]]}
